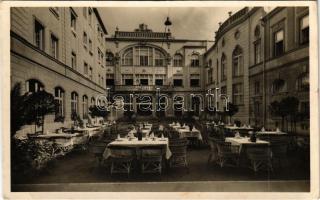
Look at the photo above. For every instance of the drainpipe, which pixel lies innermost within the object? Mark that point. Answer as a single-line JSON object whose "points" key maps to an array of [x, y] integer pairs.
{"points": [[264, 100]]}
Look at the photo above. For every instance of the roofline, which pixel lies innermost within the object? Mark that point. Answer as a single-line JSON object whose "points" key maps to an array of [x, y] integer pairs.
{"points": [[155, 40], [272, 12], [96, 12]]}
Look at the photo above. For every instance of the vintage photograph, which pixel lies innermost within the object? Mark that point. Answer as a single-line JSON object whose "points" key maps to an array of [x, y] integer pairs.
{"points": [[160, 99]]}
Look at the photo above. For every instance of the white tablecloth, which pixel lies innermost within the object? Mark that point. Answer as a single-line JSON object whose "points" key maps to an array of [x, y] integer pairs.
{"points": [[244, 141], [185, 132], [138, 144], [144, 130], [271, 133]]}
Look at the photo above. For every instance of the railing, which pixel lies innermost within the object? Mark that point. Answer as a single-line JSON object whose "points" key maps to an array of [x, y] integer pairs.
{"points": [[238, 15], [124, 34], [141, 87]]}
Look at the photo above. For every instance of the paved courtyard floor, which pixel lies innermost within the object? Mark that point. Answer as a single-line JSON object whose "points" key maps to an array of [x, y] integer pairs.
{"points": [[81, 168]]}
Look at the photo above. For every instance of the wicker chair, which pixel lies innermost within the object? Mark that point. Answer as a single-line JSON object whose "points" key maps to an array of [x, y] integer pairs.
{"points": [[279, 153], [228, 155], [260, 157], [213, 155], [178, 149], [151, 159], [121, 159], [97, 148]]}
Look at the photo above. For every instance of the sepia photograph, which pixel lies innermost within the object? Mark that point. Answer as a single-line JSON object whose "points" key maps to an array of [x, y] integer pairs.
{"points": [[160, 99]]}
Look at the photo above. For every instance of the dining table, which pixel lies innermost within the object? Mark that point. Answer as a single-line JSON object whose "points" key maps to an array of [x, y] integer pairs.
{"points": [[135, 143], [242, 141]]}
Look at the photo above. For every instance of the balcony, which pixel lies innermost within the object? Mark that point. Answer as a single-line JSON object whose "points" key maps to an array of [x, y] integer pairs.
{"points": [[135, 88]]}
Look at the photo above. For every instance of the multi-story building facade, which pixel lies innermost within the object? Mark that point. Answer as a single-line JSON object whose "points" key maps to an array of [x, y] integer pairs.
{"points": [[259, 58], [284, 68], [229, 59], [61, 50], [144, 60]]}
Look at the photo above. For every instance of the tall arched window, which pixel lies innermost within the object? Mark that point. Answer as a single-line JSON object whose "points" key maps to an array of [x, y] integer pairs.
{"points": [[177, 60], [223, 67], [33, 85], [85, 106], [109, 59], [74, 102], [59, 99], [195, 60], [159, 59], [237, 62], [302, 82], [127, 57], [93, 101]]}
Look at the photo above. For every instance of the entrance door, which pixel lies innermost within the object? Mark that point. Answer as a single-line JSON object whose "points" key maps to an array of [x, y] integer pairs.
{"points": [[144, 105]]}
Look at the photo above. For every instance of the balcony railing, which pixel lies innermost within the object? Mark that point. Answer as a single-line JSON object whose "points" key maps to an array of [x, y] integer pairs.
{"points": [[148, 88]]}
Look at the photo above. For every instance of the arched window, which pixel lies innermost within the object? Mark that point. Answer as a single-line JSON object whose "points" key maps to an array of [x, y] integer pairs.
{"points": [[59, 99], [33, 85], [144, 56], [93, 101], [302, 82], [127, 57], [177, 60], [223, 67], [195, 60], [159, 59], [85, 106], [74, 102], [278, 85], [237, 62]]}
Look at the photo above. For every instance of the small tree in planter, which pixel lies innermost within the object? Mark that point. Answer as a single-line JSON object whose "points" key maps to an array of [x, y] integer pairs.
{"points": [[94, 111], [17, 109], [77, 121], [232, 110], [37, 106]]}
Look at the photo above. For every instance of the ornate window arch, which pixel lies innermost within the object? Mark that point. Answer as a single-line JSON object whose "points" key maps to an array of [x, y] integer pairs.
{"points": [[223, 67], [177, 60], [195, 60], [160, 58], [237, 62], [127, 57]]}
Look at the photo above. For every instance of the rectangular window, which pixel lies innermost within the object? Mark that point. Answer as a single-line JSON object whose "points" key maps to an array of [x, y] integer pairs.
{"points": [[210, 76], [257, 52], [90, 46], [194, 80], [39, 34], [128, 81], [177, 82], [85, 38], [237, 94], [73, 21], [110, 79], [90, 73], [224, 90], [54, 46], [144, 81], [143, 60], [278, 43], [256, 87], [90, 16], [73, 60], [85, 68], [304, 30], [158, 82], [194, 63]]}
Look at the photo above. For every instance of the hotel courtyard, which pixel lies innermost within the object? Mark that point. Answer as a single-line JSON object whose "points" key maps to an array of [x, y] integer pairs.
{"points": [[100, 103]]}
